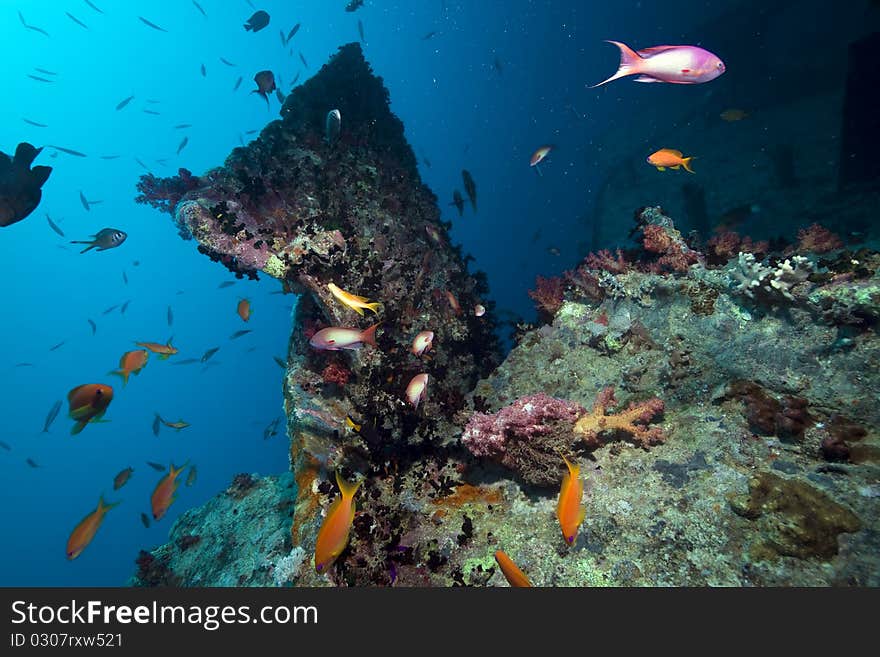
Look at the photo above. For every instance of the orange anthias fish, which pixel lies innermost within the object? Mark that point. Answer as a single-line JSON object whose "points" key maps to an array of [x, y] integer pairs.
{"points": [[85, 531], [668, 158], [163, 496], [515, 577], [88, 403], [164, 350], [132, 362], [356, 303], [244, 309], [333, 535], [569, 508]]}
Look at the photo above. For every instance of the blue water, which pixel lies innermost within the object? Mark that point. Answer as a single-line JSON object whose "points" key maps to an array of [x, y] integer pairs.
{"points": [[459, 112]]}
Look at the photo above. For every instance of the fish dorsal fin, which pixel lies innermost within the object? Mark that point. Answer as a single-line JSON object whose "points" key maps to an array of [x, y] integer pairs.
{"points": [[672, 151], [654, 50]]}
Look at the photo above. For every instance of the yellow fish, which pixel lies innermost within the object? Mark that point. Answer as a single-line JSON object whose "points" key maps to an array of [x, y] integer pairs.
{"points": [[569, 509], [333, 535], [354, 302], [669, 158]]}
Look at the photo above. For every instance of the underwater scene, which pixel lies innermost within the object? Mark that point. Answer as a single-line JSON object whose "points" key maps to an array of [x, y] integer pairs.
{"points": [[440, 293]]}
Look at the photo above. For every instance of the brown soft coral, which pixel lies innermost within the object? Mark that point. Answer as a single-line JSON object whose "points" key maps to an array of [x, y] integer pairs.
{"points": [[632, 421]]}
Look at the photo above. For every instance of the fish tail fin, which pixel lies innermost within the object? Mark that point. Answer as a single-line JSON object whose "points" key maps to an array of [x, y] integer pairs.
{"points": [[103, 506], [347, 489], [630, 62], [123, 374], [369, 335], [376, 306], [686, 162]]}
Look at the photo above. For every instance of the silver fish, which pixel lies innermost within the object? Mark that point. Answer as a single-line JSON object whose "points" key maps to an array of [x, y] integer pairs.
{"points": [[333, 125]]}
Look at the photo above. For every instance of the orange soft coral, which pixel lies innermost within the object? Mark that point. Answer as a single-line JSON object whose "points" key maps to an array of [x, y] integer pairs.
{"points": [[633, 420]]}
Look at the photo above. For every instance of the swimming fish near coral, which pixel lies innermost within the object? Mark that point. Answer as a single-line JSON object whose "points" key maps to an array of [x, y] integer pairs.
{"points": [[157, 424], [356, 303], [152, 25], [51, 415], [244, 309], [32, 463], [88, 2], [538, 157], [204, 71], [672, 64], [54, 226], [333, 534], [470, 187], [265, 85], [458, 202], [302, 58], [191, 476], [479, 310], [156, 466], [20, 184], [207, 355], [199, 7], [106, 238], [182, 144], [422, 343], [239, 334], [292, 33], [122, 478], [88, 403], [145, 520], [361, 31], [122, 103], [515, 577], [570, 511], [417, 389], [164, 350], [334, 338], [668, 158], [164, 494], [131, 362], [93, 325], [332, 126], [85, 531], [180, 424], [257, 22], [238, 83]]}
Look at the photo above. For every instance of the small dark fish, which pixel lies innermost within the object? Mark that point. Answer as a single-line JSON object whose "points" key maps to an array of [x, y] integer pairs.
{"points": [[298, 73], [207, 355], [237, 83], [428, 36], [32, 463], [498, 67], [125, 278], [458, 202], [293, 32], [123, 103], [124, 308], [144, 519], [181, 126], [106, 238], [162, 161], [122, 478], [279, 96], [38, 78], [271, 429], [76, 20], [53, 225], [51, 415], [84, 201], [186, 361], [69, 151], [199, 7], [182, 145], [191, 476], [265, 85], [204, 71], [554, 251], [251, 132], [227, 62], [151, 101], [110, 309], [24, 364], [303, 60], [470, 187], [280, 362], [34, 123], [93, 325], [153, 25], [93, 7], [156, 466], [169, 315], [57, 346], [283, 42], [5, 446], [257, 22], [240, 333], [426, 161], [31, 27], [157, 424], [142, 164], [354, 5], [153, 112], [226, 284], [42, 70], [109, 157], [361, 30]]}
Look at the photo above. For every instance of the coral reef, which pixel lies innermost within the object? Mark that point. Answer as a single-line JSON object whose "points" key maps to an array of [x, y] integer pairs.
{"points": [[764, 472]]}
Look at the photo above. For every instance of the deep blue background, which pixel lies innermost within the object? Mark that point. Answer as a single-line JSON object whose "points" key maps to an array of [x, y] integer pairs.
{"points": [[459, 113]]}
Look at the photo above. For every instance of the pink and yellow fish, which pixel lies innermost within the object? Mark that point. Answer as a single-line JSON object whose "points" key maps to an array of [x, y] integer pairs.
{"points": [[417, 389], [672, 64], [334, 531], [334, 338]]}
